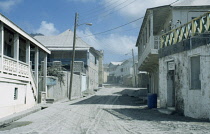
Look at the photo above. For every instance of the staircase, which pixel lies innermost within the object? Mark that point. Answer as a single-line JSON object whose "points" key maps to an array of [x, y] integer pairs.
{"points": [[33, 84]]}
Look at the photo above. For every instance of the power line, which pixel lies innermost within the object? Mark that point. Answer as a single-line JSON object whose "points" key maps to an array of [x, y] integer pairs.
{"points": [[114, 28], [99, 8], [105, 10], [125, 30], [95, 18], [174, 2], [106, 44]]}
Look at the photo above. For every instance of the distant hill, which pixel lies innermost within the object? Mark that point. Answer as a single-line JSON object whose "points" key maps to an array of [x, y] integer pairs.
{"points": [[36, 34]]}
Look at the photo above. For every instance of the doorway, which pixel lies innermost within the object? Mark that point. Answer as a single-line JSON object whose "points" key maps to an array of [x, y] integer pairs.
{"points": [[170, 89]]}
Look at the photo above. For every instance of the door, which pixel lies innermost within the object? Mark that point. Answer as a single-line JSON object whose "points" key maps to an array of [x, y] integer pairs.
{"points": [[170, 89]]}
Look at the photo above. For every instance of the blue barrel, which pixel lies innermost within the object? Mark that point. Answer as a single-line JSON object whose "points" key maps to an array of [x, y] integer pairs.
{"points": [[152, 100]]}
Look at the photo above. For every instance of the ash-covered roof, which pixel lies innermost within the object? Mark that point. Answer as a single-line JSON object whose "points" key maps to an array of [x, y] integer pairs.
{"points": [[191, 3], [63, 40]]}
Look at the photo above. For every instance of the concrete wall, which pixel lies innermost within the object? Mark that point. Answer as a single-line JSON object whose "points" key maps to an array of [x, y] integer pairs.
{"points": [[192, 103], [101, 69], [25, 98], [93, 73], [60, 90], [106, 74]]}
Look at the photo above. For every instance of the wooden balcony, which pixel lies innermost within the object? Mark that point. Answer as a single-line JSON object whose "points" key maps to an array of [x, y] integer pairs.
{"points": [[13, 67], [200, 25], [149, 56]]}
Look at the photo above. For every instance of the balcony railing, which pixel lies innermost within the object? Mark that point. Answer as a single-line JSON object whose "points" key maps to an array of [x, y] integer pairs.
{"points": [[11, 66], [196, 26], [151, 48]]}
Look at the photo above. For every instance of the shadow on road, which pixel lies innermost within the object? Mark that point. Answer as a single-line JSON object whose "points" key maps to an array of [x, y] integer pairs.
{"points": [[146, 114], [109, 99], [14, 125], [134, 92]]}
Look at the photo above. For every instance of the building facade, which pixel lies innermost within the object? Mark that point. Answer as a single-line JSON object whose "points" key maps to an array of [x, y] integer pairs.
{"points": [[19, 87], [157, 21], [184, 68], [61, 47], [112, 72]]}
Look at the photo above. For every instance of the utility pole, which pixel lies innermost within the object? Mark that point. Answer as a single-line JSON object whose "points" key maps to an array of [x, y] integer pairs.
{"points": [[134, 70], [73, 55]]}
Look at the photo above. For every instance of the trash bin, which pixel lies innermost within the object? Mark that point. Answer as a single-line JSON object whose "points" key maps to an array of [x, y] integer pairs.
{"points": [[152, 100]]}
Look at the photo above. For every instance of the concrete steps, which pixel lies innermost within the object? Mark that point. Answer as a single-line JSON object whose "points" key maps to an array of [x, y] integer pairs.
{"points": [[49, 101], [168, 110]]}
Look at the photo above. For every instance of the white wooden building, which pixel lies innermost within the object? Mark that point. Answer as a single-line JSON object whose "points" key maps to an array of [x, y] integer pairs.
{"points": [[18, 82]]}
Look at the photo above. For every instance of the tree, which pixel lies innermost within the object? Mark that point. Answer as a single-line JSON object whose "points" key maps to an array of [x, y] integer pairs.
{"points": [[56, 71]]}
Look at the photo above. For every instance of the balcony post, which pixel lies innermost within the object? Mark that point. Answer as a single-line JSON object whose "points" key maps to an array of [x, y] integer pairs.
{"points": [[28, 55], [45, 74], [16, 51], [1, 45], [151, 31], [36, 66]]}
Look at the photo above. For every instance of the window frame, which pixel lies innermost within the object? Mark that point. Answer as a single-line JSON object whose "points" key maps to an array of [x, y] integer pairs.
{"points": [[190, 72]]}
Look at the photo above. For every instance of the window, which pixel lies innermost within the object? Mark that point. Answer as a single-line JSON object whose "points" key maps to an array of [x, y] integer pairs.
{"points": [[146, 35], [195, 82], [149, 28], [16, 93], [8, 43], [95, 60], [22, 50]]}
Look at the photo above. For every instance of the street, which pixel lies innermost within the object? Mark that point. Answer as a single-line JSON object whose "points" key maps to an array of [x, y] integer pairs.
{"points": [[109, 111]]}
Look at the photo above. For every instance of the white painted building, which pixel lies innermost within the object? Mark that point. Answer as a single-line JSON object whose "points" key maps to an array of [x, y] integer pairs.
{"points": [[128, 72], [18, 84], [159, 20], [61, 47], [122, 72], [112, 72], [184, 66]]}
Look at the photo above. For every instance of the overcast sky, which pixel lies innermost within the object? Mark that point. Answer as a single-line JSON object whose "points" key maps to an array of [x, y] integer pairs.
{"points": [[52, 17]]}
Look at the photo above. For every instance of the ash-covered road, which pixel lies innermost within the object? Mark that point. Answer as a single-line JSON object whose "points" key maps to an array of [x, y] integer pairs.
{"points": [[109, 111]]}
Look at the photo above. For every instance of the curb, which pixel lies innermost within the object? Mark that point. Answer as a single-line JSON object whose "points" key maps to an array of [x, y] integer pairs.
{"points": [[19, 115]]}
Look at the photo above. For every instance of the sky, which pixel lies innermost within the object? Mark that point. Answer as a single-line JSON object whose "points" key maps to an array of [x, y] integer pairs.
{"points": [[52, 17]]}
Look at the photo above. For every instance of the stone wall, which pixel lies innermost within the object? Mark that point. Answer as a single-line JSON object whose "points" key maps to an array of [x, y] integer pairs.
{"points": [[60, 90], [191, 102]]}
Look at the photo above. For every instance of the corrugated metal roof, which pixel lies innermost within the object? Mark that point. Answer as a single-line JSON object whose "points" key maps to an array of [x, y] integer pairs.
{"points": [[62, 40], [191, 3]]}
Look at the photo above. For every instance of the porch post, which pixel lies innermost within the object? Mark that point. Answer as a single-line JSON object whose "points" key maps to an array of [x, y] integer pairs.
{"points": [[36, 66], [28, 52], [1, 45], [16, 51], [28, 55], [151, 31], [45, 74]]}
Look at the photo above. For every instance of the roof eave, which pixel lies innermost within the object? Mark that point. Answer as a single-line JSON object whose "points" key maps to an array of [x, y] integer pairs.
{"points": [[23, 33]]}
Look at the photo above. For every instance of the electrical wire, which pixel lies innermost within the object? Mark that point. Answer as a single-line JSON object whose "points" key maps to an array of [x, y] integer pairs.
{"points": [[97, 14], [124, 30], [103, 16], [174, 2], [114, 28], [99, 8]]}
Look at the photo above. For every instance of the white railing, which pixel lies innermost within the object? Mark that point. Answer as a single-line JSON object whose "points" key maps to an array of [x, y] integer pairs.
{"points": [[145, 53], [156, 42], [11, 66], [23, 69], [151, 47]]}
